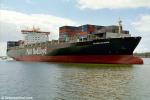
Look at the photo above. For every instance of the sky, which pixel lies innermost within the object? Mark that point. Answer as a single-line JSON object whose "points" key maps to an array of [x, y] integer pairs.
{"points": [[49, 15]]}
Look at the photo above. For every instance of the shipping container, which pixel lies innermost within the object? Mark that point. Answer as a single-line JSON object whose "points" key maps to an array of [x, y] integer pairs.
{"points": [[12, 44], [83, 33], [91, 28]]}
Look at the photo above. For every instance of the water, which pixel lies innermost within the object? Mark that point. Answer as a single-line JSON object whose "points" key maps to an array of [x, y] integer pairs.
{"points": [[53, 81]]}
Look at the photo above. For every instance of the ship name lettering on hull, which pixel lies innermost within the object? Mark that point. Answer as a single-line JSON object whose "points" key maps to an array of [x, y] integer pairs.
{"points": [[102, 42]]}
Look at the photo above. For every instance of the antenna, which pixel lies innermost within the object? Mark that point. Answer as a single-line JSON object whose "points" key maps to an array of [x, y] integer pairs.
{"points": [[120, 25], [35, 29], [38, 28], [120, 22]]}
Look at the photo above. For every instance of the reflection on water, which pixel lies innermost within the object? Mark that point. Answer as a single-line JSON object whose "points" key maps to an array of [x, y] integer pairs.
{"points": [[100, 82], [52, 81]]}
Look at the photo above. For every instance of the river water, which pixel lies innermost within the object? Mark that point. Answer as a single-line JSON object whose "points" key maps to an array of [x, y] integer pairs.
{"points": [[58, 81]]}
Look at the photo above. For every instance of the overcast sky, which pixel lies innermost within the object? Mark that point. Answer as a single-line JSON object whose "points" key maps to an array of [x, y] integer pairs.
{"points": [[49, 15]]}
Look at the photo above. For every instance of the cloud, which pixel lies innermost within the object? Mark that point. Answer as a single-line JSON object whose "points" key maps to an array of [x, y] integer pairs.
{"points": [[142, 24], [112, 4], [11, 23]]}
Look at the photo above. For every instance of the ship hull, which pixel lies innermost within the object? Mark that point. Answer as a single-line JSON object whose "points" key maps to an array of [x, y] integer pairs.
{"points": [[102, 59], [104, 51], [113, 46]]}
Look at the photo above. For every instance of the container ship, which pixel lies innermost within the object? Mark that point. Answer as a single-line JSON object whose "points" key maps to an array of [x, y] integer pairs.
{"points": [[77, 44]]}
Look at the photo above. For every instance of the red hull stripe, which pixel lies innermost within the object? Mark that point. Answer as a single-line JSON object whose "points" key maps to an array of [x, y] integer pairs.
{"points": [[102, 59]]}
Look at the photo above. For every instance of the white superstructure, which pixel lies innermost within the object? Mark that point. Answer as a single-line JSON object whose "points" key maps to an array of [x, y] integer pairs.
{"points": [[113, 31], [35, 36], [116, 35]]}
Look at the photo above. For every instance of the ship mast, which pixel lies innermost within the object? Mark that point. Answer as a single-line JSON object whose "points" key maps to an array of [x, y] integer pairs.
{"points": [[120, 26]]}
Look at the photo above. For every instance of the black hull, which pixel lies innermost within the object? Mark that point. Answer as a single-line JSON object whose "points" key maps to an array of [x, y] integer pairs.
{"points": [[112, 46], [104, 51]]}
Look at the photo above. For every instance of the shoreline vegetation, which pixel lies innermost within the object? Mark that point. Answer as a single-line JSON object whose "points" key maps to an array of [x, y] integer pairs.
{"points": [[143, 55]]}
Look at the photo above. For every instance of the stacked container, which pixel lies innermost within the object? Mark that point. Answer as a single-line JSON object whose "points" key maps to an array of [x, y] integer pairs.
{"points": [[12, 44]]}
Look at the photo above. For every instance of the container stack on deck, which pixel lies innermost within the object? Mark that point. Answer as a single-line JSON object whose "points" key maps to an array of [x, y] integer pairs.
{"points": [[66, 33], [12, 44]]}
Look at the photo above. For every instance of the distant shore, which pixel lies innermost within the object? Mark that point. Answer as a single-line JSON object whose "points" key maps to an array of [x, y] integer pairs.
{"points": [[143, 55]]}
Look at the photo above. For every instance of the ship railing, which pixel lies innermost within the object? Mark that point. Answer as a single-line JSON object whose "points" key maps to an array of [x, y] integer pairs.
{"points": [[35, 45], [16, 47], [55, 42]]}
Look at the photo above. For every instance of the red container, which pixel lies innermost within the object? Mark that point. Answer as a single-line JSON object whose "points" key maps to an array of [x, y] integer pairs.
{"points": [[91, 28]]}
